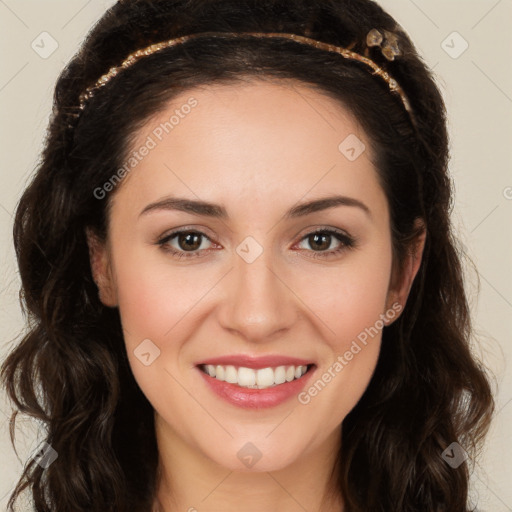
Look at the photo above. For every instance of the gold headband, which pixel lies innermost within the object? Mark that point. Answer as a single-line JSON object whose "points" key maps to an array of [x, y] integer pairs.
{"points": [[374, 38]]}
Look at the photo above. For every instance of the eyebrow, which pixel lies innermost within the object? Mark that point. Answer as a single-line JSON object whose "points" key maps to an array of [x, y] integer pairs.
{"points": [[207, 209]]}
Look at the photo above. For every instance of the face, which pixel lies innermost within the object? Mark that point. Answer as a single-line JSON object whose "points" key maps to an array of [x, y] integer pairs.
{"points": [[255, 282]]}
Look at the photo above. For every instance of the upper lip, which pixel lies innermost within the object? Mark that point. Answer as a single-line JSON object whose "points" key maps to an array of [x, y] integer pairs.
{"points": [[255, 362]]}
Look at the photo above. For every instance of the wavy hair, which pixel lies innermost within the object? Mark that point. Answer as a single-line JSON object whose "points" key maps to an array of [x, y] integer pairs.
{"points": [[70, 370]]}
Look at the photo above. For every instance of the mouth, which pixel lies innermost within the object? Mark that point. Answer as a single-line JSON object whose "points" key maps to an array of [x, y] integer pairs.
{"points": [[251, 378]]}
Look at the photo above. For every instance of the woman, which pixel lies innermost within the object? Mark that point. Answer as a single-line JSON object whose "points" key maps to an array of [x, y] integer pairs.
{"points": [[238, 260]]}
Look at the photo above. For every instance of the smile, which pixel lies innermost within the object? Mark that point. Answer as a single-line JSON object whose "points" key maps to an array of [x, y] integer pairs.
{"points": [[255, 379]]}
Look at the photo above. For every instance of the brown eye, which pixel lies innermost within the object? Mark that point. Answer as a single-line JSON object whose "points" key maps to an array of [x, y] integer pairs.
{"points": [[320, 241], [183, 244], [189, 241]]}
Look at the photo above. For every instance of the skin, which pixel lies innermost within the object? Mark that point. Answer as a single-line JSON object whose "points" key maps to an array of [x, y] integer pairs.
{"points": [[258, 149]]}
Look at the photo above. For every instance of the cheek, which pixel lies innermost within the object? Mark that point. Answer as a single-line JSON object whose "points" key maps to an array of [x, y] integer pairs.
{"points": [[352, 297], [157, 303], [353, 312], [154, 295]]}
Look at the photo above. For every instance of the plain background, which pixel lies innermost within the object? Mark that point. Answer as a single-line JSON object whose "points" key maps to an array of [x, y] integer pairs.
{"points": [[477, 85]]}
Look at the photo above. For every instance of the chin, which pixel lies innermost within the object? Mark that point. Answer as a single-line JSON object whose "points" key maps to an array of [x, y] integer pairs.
{"points": [[256, 456]]}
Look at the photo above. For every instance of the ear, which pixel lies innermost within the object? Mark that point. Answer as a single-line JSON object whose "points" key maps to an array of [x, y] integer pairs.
{"points": [[402, 279], [99, 258]]}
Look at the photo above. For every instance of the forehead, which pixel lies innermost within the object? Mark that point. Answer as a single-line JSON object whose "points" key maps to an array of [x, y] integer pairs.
{"points": [[250, 141]]}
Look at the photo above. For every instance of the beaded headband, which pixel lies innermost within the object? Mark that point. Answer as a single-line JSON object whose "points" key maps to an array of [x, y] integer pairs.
{"points": [[388, 43]]}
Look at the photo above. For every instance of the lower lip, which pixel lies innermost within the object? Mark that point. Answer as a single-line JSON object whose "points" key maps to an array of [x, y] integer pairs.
{"points": [[257, 398]]}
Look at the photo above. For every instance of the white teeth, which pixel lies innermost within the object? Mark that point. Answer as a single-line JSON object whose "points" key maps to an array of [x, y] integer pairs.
{"points": [[231, 375], [264, 377], [255, 379], [219, 372], [280, 375], [246, 376]]}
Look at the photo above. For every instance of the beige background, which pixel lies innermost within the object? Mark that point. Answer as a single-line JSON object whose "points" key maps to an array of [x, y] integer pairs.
{"points": [[477, 85]]}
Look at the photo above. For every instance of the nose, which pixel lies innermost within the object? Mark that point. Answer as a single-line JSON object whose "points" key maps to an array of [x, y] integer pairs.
{"points": [[257, 304]]}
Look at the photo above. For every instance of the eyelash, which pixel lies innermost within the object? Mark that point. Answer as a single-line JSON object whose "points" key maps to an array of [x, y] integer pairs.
{"points": [[347, 243]]}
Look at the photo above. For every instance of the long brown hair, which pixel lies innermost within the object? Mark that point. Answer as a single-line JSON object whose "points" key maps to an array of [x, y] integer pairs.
{"points": [[70, 369]]}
